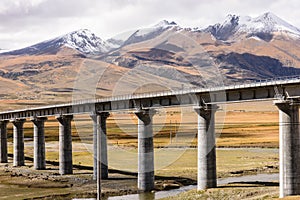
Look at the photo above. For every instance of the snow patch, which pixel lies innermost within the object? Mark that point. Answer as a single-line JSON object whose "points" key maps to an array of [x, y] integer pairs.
{"points": [[255, 38], [145, 31], [123, 36], [4, 50], [162, 25]]}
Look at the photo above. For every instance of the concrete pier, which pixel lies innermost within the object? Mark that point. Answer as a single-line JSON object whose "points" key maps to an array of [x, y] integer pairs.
{"points": [[39, 161], [3, 142], [18, 140], [145, 150], [65, 144], [289, 147], [207, 173], [104, 160], [95, 131], [99, 127]]}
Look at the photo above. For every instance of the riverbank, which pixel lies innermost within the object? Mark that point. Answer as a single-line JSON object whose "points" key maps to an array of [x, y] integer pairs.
{"points": [[27, 183]]}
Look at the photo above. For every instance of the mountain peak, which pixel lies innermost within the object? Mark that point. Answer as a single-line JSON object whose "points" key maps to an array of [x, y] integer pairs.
{"points": [[165, 23], [269, 16], [82, 40], [81, 33], [265, 25], [151, 32], [85, 41], [82, 30], [273, 23], [270, 20], [231, 17]]}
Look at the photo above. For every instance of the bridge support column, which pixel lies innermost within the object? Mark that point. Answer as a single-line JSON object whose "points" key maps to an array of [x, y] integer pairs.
{"points": [[145, 150], [65, 144], [39, 161], [289, 147], [18, 139], [99, 129], [207, 173], [3, 143]]}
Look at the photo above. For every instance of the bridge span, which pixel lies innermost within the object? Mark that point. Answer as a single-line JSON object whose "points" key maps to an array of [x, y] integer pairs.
{"points": [[285, 94]]}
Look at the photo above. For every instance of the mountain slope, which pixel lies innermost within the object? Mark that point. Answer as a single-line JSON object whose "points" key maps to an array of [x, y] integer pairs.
{"points": [[252, 67]]}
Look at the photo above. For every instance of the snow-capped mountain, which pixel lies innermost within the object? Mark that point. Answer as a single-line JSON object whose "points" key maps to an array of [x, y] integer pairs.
{"points": [[242, 55], [86, 42], [234, 27], [262, 27], [143, 34], [82, 40]]}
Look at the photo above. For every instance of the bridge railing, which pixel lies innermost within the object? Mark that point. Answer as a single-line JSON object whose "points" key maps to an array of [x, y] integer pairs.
{"points": [[192, 90], [247, 84], [254, 83]]}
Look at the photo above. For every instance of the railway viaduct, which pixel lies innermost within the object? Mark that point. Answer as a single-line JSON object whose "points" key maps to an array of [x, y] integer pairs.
{"points": [[285, 94]]}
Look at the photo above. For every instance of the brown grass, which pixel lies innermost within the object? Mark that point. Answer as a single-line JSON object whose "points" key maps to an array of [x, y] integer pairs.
{"points": [[176, 127]]}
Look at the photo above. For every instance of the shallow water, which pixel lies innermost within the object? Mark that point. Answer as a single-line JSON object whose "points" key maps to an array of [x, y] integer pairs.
{"points": [[250, 178], [222, 181]]}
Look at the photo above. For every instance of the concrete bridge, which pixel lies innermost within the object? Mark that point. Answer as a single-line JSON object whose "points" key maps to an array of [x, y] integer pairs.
{"points": [[284, 92]]}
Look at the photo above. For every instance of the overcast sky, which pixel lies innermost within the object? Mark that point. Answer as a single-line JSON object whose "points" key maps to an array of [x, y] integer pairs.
{"points": [[25, 22]]}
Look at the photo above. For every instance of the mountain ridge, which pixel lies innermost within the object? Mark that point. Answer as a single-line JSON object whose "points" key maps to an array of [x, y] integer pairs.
{"points": [[85, 42], [163, 56]]}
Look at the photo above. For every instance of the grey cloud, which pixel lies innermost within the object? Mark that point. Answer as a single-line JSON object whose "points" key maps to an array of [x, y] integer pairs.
{"points": [[30, 21], [48, 8]]}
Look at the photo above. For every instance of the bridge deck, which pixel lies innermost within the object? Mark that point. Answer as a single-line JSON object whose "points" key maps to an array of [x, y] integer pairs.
{"points": [[261, 90]]}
